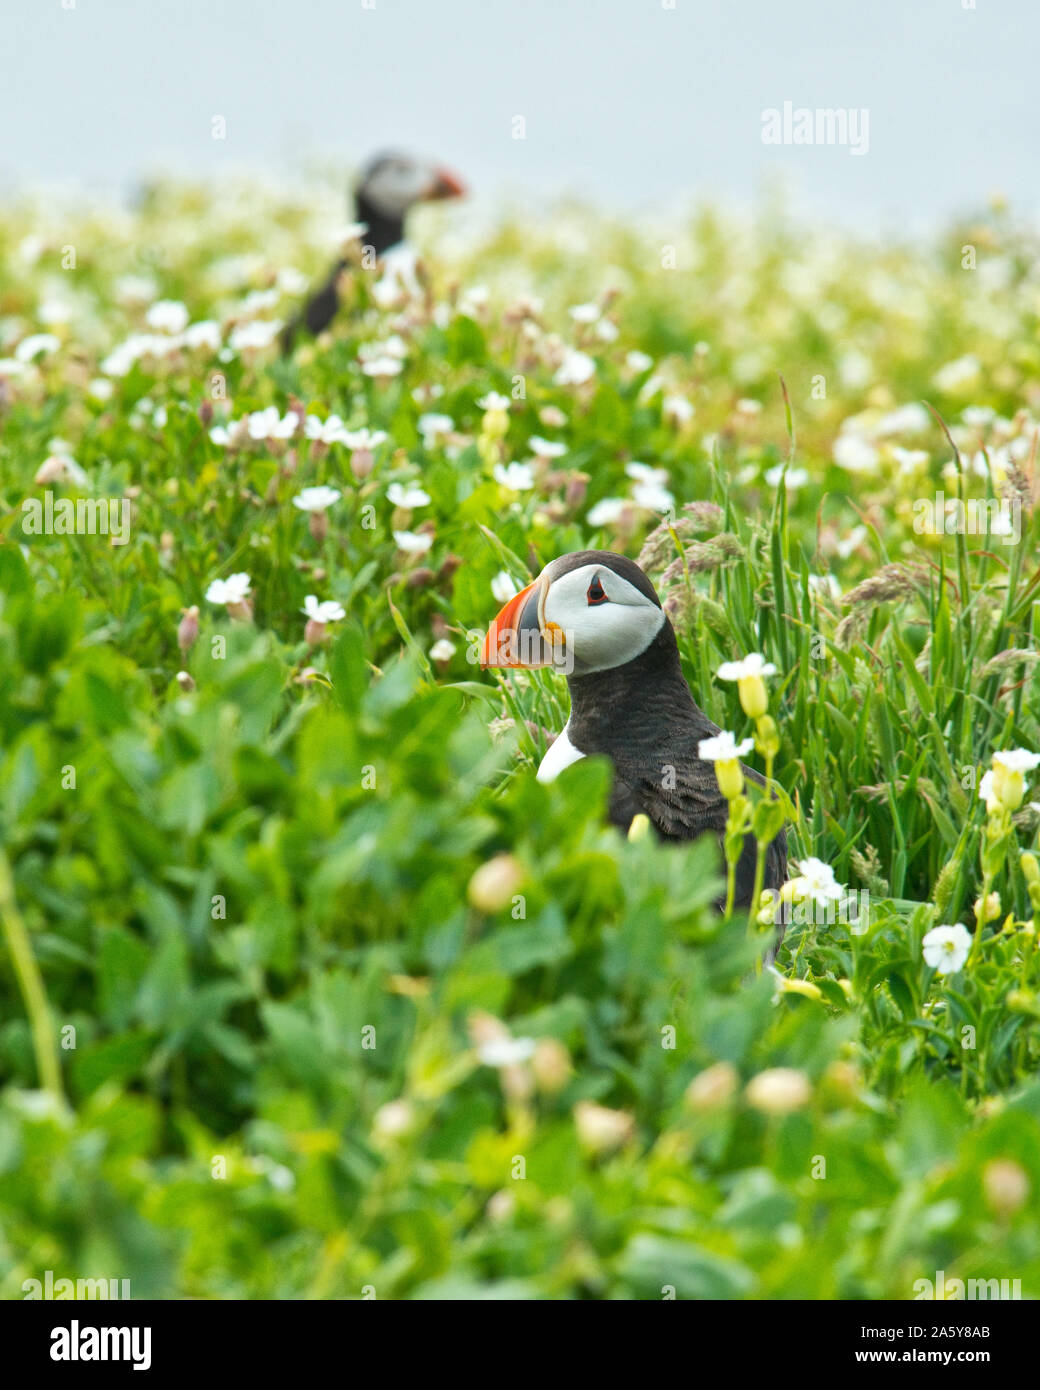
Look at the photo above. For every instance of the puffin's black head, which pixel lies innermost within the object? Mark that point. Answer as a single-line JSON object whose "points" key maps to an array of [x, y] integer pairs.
{"points": [[588, 611], [391, 183]]}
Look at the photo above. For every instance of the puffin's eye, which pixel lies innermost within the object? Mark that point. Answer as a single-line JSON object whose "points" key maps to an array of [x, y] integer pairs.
{"points": [[596, 592]]}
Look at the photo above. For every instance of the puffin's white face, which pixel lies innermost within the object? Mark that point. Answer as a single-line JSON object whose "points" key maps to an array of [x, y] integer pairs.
{"points": [[587, 619], [393, 183], [605, 620]]}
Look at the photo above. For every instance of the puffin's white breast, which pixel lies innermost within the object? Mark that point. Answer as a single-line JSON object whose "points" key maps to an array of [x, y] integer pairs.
{"points": [[560, 755]]}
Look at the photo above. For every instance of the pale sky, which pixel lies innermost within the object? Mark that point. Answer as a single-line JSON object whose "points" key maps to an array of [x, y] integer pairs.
{"points": [[626, 102]]}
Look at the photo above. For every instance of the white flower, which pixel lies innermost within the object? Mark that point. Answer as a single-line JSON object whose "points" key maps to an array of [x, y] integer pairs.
{"points": [[353, 231], [431, 425], [851, 542], [328, 612], [167, 316], [753, 665], [506, 1052], [473, 300], [652, 496], [853, 452], [36, 343], [442, 650], [517, 477], [576, 368], [795, 477], [638, 361], [407, 495], [100, 389], [986, 792], [907, 419], [60, 464], [204, 334], [135, 289], [643, 473], [260, 333], [493, 401], [290, 280], [585, 313], [816, 880], [263, 423], [503, 587], [677, 409], [824, 584], [54, 311], [747, 406], [256, 301], [220, 436], [332, 431], [606, 512], [1017, 760], [723, 748], [234, 589], [382, 366], [363, 438], [960, 373], [946, 948], [316, 499], [125, 354], [413, 542], [546, 448], [909, 459]]}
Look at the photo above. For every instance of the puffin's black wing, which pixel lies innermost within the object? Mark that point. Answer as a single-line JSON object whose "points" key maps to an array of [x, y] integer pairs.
{"points": [[681, 798], [318, 312]]}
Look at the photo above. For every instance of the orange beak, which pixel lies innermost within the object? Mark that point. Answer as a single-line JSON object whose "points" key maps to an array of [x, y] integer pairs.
{"points": [[515, 638], [445, 185]]}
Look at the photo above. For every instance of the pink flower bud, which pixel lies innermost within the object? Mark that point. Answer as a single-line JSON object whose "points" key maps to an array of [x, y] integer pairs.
{"points": [[314, 633], [362, 462], [50, 470], [188, 627], [577, 486]]}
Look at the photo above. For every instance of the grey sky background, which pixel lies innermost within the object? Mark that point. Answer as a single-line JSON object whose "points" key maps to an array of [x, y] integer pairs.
{"points": [[626, 102]]}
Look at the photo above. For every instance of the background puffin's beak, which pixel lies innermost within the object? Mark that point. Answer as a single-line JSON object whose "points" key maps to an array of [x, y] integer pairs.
{"points": [[445, 184], [515, 637]]}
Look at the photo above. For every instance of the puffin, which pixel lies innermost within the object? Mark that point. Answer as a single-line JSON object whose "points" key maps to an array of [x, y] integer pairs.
{"points": [[596, 616], [388, 187]]}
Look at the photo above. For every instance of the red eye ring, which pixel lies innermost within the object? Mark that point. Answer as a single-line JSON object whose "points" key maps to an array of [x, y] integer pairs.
{"points": [[596, 592]]}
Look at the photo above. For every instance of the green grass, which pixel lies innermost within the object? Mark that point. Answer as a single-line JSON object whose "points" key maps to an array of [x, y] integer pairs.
{"points": [[246, 967]]}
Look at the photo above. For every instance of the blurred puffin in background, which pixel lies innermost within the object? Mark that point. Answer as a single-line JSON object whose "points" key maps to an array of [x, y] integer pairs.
{"points": [[597, 616], [388, 187]]}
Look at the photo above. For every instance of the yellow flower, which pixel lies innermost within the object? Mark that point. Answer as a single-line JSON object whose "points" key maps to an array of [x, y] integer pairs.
{"points": [[725, 752], [779, 1091], [712, 1088], [751, 686]]}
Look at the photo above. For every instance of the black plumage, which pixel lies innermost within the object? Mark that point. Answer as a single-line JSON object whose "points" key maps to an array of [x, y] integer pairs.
{"points": [[643, 717], [384, 229], [322, 306]]}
